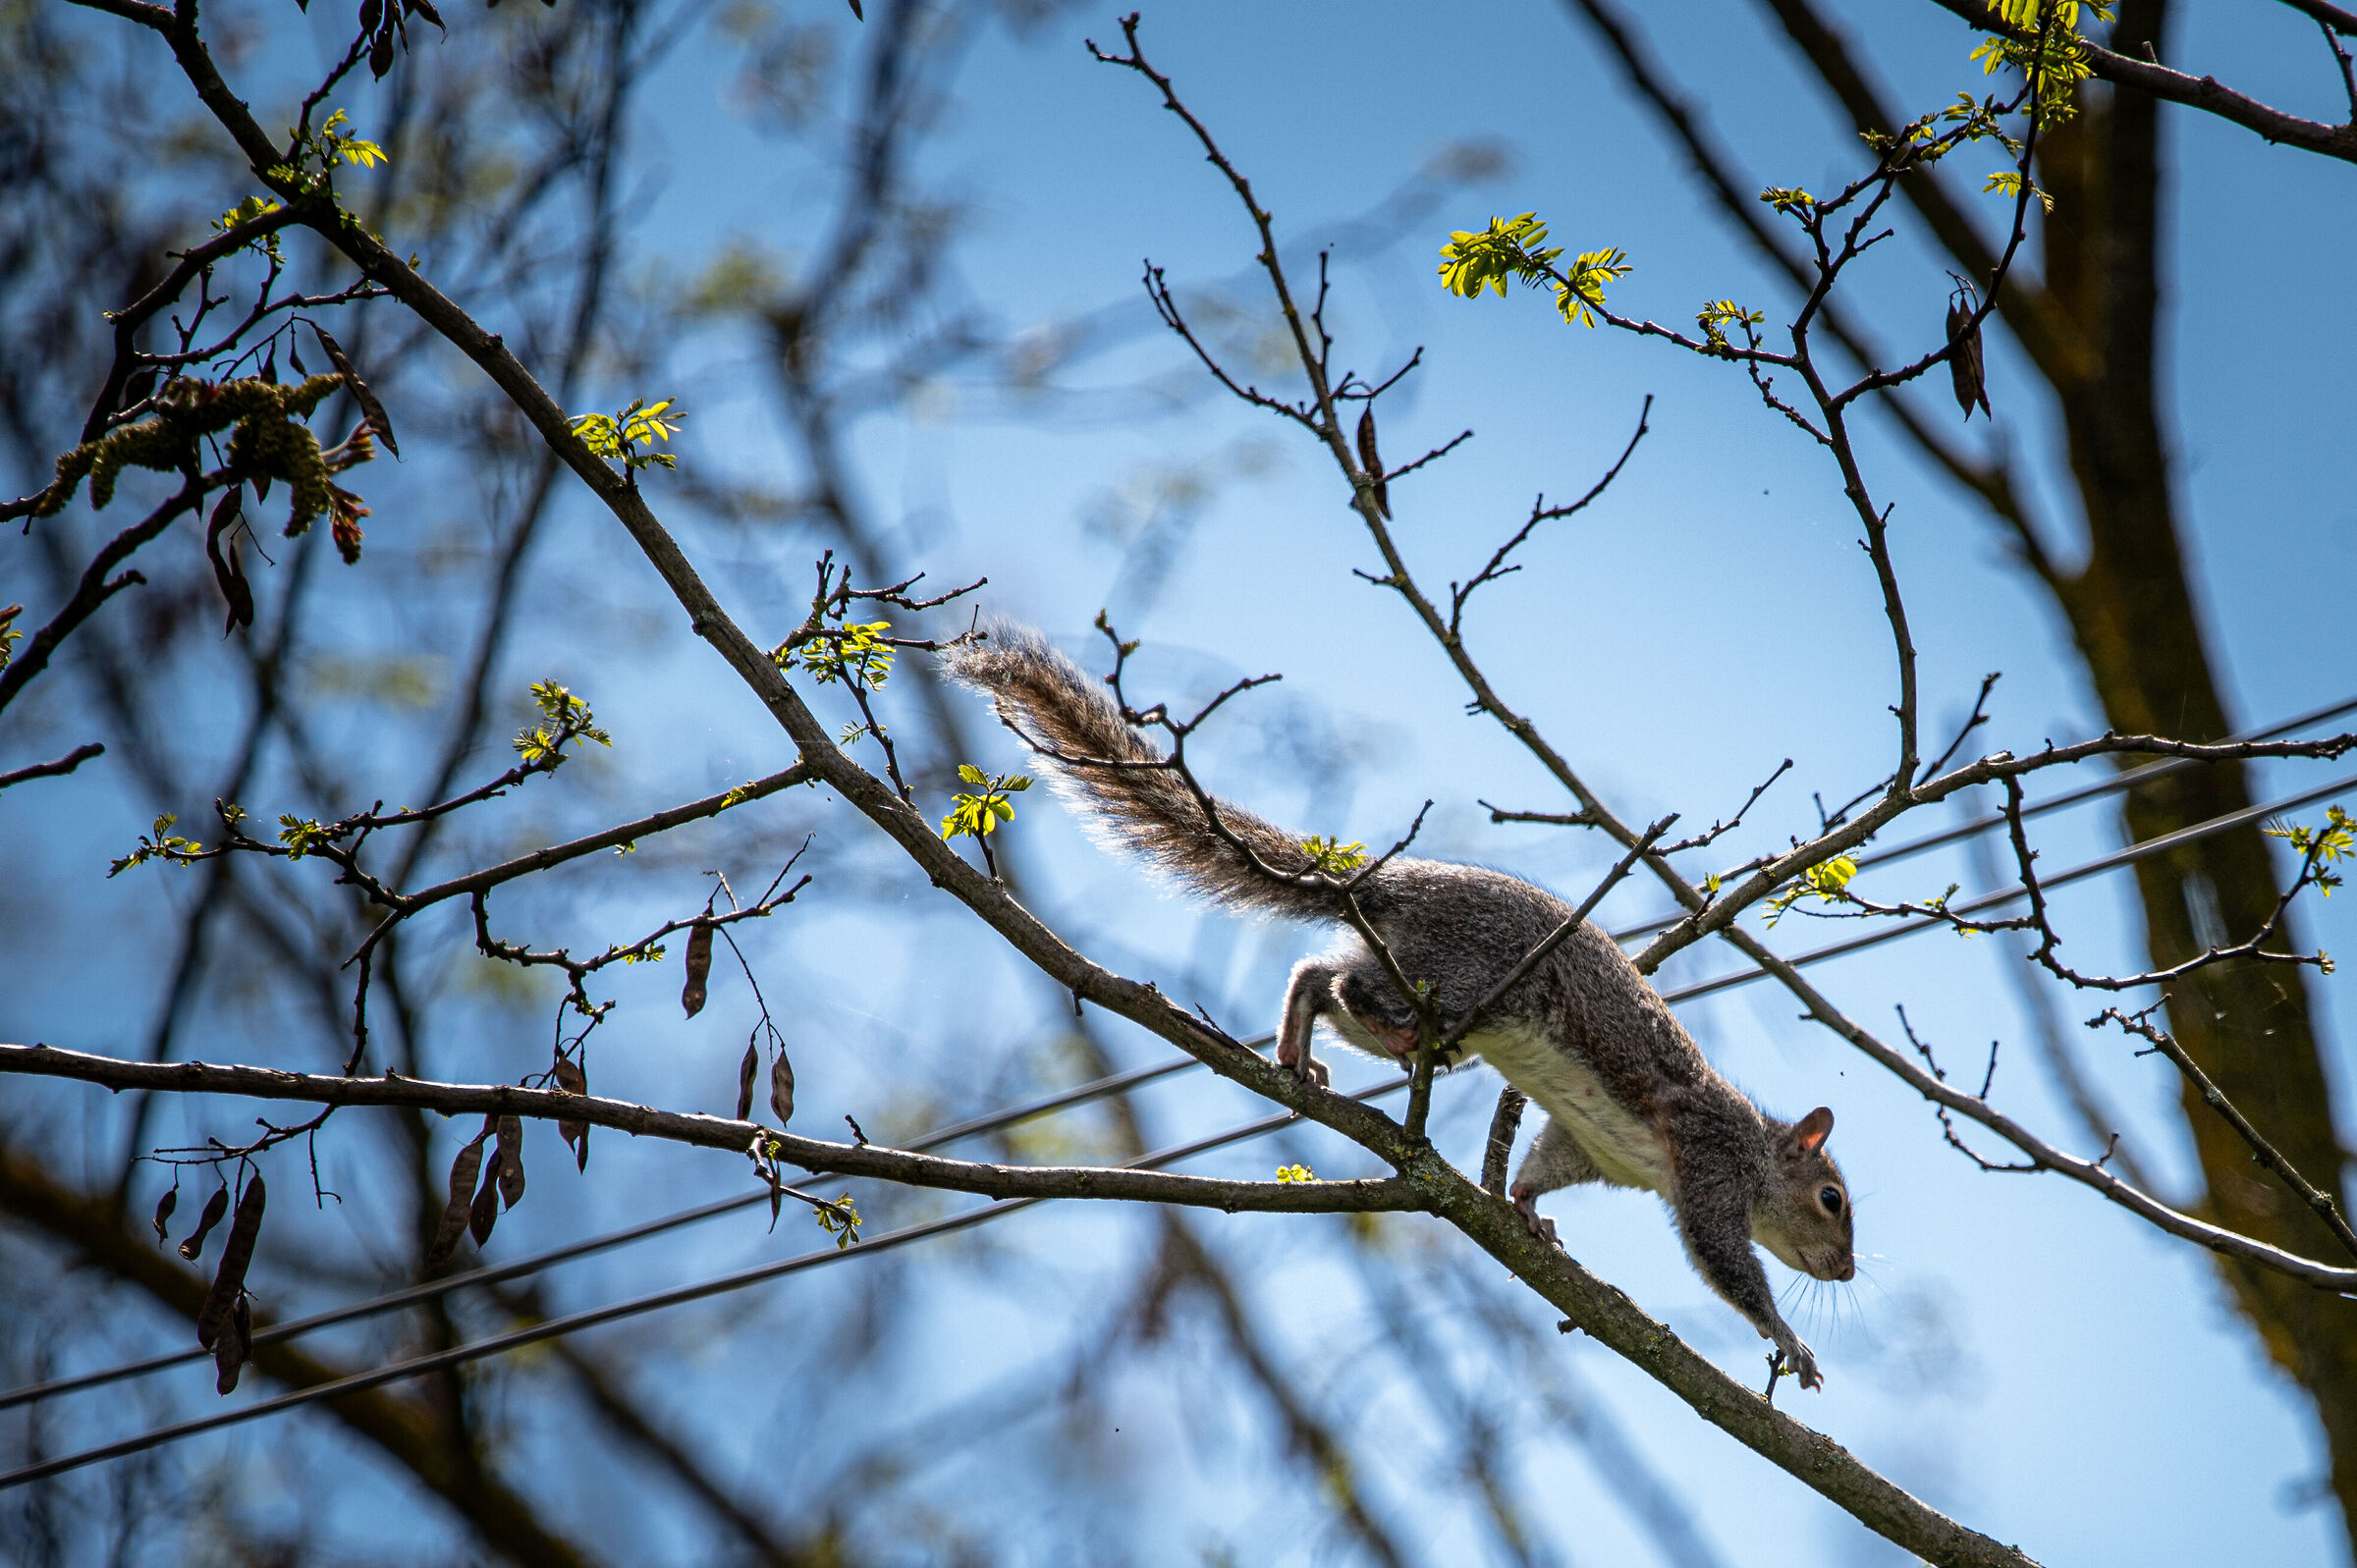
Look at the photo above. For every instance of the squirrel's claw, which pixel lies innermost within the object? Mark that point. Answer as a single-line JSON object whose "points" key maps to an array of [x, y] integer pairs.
{"points": [[1540, 1226], [1801, 1362], [1306, 1068]]}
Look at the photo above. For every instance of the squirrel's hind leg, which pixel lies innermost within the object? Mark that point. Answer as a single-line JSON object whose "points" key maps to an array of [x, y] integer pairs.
{"points": [[1310, 994], [1556, 1161]]}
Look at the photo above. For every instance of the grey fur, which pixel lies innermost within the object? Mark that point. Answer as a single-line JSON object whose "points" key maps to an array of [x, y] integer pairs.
{"points": [[1630, 1099]]}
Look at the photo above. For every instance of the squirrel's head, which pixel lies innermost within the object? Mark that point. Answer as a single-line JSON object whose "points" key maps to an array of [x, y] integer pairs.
{"points": [[1804, 1218]]}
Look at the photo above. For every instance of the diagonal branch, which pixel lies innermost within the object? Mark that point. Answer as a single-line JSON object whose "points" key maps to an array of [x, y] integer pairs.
{"points": [[2267, 1154], [96, 588], [442, 1461], [53, 770]]}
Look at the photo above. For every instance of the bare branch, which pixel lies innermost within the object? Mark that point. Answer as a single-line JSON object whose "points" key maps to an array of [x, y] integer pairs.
{"points": [[50, 770], [717, 1132], [2206, 93], [2141, 1025], [1554, 938], [96, 587]]}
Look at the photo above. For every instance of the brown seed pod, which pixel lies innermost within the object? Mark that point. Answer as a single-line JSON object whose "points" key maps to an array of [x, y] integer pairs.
{"points": [[745, 1072], [234, 1347], [1964, 366], [228, 572], [455, 1213], [237, 1252], [511, 1161], [781, 1088], [1372, 462], [163, 1213], [358, 389], [215, 1207], [483, 1214], [573, 1081], [699, 971]]}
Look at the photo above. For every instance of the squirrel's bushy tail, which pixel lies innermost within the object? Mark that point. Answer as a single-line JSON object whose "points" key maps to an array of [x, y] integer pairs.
{"points": [[1062, 711]]}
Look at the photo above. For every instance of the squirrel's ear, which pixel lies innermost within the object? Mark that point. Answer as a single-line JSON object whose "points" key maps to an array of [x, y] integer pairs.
{"points": [[1810, 1132]]}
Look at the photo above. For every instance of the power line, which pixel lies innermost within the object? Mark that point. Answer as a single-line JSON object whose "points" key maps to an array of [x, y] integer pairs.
{"points": [[2100, 864], [2117, 783], [492, 1275], [595, 1317], [1116, 1084], [1121, 1083]]}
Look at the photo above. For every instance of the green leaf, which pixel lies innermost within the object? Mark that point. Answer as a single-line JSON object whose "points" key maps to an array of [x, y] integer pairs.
{"points": [[1334, 858]]}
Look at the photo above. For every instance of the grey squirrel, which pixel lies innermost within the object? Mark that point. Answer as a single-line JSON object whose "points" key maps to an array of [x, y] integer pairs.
{"points": [[1631, 1101]]}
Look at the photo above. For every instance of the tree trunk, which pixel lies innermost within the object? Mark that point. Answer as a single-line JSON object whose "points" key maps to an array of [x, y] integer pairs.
{"points": [[2132, 614], [2089, 329]]}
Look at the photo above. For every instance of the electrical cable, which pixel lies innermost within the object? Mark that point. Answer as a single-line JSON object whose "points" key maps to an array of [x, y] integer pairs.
{"points": [[491, 1274], [591, 1317], [2102, 864], [2125, 780], [1121, 1083]]}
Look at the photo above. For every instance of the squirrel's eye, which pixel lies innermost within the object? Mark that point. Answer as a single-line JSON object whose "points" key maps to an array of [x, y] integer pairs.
{"points": [[1831, 1197]]}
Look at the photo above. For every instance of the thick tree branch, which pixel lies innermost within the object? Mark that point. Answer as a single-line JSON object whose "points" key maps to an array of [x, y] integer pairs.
{"points": [[717, 1132], [2206, 93]]}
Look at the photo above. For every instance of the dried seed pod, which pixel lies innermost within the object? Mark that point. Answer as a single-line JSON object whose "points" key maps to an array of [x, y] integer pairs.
{"points": [[573, 1081], [163, 1213], [455, 1213], [699, 971], [1372, 462], [352, 383], [483, 1213], [781, 1088], [229, 571], [511, 1161], [1964, 366], [215, 1207], [234, 1347], [745, 1072], [237, 1252]]}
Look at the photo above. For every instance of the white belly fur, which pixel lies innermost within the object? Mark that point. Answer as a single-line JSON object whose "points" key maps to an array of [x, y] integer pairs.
{"points": [[1625, 1151]]}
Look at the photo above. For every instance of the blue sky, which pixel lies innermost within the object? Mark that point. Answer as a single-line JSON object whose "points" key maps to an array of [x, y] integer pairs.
{"points": [[2024, 1354], [1711, 615]]}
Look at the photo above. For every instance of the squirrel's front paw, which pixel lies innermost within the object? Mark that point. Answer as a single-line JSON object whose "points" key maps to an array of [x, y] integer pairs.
{"points": [[1800, 1362]]}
